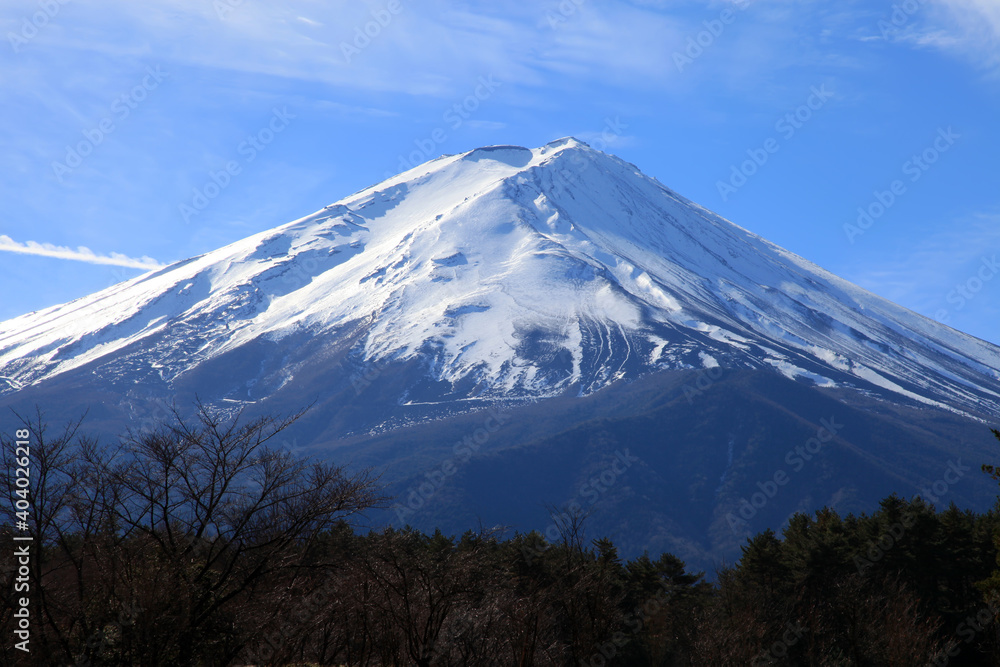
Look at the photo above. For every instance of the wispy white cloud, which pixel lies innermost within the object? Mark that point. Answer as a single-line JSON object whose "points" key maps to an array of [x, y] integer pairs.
{"points": [[967, 28], [80, 254], [921, 274], [977, 26], [443, 45]]}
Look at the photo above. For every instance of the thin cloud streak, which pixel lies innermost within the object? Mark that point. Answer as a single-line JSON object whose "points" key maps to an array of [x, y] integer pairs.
{"points": [[81, 254], [969, 28], [921, 276]]}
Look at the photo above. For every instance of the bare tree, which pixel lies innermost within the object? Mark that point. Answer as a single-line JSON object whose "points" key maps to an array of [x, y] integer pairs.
{"points": [[187, 528], [54, 522]]}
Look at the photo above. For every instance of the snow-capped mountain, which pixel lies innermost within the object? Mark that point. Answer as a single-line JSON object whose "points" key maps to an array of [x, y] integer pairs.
{"points": [[508, 272], [511, 275]]}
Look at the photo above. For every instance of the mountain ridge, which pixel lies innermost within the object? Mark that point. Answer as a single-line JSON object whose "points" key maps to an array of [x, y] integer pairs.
{"points": [[595, 308], [511, 272]]}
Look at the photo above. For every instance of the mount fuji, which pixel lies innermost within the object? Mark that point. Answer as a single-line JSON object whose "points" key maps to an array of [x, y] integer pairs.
{"points": [[598, 309]]}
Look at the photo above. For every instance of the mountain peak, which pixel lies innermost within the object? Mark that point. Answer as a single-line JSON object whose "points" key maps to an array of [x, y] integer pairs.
{"points": [[515, 156], [505, 272], [566, 142], [520, 157]]}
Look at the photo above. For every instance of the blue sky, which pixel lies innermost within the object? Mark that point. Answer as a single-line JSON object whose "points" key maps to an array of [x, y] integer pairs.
{"points": [[143, 133]]}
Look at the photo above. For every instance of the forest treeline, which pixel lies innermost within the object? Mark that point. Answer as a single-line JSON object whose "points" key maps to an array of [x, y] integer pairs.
{"points": [[202, 544]]}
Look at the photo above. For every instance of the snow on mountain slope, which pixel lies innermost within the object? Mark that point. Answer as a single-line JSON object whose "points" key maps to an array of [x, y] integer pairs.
{"points": [[512, 272]]}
